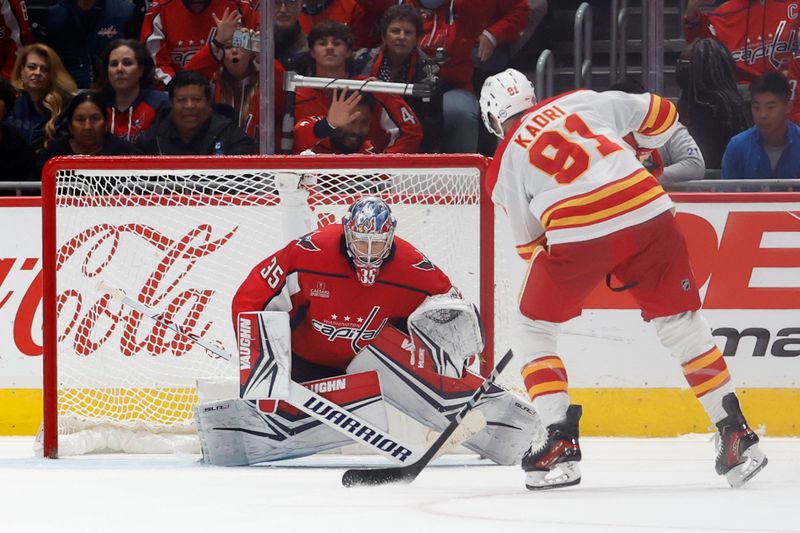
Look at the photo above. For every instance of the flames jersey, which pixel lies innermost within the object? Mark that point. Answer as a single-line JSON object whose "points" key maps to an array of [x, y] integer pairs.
{"points": [[332, 314], [565, 173]]}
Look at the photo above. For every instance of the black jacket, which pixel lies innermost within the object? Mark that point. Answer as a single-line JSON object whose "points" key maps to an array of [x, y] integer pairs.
{"points": [[111, 146], [16, 155], [218, 136]]}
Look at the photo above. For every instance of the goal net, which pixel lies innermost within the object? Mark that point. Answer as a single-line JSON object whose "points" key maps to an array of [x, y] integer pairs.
{"points": [[179, 235]]}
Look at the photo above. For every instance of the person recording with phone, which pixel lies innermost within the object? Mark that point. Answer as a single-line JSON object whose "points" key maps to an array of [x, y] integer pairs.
{"points": [[230, 61], [175, 32]]}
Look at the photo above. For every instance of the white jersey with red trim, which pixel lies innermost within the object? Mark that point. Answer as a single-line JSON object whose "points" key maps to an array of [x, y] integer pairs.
{"points": [[566, 173]]}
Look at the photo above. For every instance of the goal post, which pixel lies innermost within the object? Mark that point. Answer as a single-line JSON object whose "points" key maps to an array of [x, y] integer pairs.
{"points": [[179, 234]]}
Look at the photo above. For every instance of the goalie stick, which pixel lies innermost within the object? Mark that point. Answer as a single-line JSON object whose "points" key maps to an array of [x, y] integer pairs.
{"points": [[308, 401], [408, 473]]}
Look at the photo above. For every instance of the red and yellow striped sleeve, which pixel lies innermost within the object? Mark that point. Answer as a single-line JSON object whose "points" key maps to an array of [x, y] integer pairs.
{"points": [[661, 115]]}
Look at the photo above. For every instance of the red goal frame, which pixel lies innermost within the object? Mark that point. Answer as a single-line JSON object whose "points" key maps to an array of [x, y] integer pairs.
{"points": [[332, 162]]}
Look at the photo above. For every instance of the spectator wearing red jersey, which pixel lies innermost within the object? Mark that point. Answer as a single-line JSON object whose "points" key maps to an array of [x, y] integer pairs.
{"points": [[315, 11], [450, 31], [127, 74], [15, 32], [343, 131], [509, 20], [761, 35], [493, 52], [394, 127], [175, 30], [793, 74], [401, 60], [234, 73]]}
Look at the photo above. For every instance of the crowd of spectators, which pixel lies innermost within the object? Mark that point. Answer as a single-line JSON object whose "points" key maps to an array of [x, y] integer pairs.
{"points": [[755, 44], [182, 77]]}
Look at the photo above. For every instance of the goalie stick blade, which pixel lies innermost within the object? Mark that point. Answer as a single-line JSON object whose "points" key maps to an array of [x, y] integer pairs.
{"points": [[406, 474]]}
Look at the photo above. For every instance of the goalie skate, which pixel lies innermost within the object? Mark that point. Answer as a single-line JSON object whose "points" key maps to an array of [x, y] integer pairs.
{"points": [[738, 456], [554, 464]]}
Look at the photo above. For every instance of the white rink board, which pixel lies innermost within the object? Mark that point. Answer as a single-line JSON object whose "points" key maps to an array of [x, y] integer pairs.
{"points": [[603, 348]]}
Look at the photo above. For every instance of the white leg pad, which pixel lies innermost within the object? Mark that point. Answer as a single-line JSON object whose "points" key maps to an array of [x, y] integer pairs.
{"points": [[511, 423], [265, 354], [233, 432]]}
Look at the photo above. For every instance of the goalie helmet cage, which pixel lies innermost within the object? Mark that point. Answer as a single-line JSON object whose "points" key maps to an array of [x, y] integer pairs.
{"points": [[180, 234]]}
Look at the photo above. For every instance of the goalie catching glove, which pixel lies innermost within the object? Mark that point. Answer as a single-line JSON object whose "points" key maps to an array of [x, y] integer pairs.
{"points": [[448, 331]]}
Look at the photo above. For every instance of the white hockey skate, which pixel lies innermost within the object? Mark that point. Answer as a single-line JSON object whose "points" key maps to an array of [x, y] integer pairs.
{"points": [[738, 456]]}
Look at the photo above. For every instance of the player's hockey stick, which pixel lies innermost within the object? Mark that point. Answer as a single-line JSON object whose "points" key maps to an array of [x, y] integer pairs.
{"points": [[308, 401], [408, 473]]}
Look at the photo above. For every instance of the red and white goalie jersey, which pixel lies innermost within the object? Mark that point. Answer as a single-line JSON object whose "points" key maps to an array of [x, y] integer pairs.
{"points": [[333, 316], [565, 171]]}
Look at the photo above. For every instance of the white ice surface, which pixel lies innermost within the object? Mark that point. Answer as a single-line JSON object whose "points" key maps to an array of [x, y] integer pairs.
{"points": [[647, 485]]}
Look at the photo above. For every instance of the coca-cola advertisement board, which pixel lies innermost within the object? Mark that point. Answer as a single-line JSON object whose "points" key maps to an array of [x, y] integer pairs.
{"points": [[746, 257]]}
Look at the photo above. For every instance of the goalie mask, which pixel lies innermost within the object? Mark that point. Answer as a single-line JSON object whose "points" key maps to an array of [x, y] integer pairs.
{"points": [[368, 234], [503, 96]]}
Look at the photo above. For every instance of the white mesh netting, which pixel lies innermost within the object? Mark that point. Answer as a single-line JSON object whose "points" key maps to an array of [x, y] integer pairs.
{"points": [[181, 242]]}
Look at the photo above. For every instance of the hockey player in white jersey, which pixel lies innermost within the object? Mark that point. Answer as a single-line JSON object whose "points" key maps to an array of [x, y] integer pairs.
{"points": [[581, 207]]}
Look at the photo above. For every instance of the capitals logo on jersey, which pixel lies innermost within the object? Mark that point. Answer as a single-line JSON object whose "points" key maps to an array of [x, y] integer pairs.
{"points": [[778, 52], [356, 329]]}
